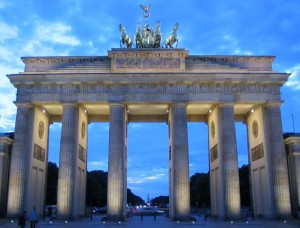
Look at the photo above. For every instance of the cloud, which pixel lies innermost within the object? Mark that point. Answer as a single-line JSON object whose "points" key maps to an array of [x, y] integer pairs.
{"points": [[57, 33], [294, 79], [135, 125], [7, 31], [144, 179], [103, 39], [96, 163], [8, 110]]}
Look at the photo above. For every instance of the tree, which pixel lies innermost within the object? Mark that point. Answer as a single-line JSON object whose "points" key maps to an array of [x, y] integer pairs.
{"points": [[160, 201], [96, 188], [52, 179], [244, 185], [132, 199], [199, 189]]}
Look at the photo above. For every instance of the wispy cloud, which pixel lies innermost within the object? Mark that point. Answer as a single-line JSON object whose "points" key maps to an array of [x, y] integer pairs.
{"points": [[143, 179], [58, 33], [294, 79], [7, 31], [7, 108]]}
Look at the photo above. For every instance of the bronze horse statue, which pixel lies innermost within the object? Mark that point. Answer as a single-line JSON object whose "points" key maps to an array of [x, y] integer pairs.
{"points": [[124, 38], [138, 37], [172, 38], [157, 36]]}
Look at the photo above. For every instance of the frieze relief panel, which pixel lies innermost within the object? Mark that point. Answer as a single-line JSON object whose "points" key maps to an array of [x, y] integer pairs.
{"points": [[81, 153], [148, 63], [39, 153], [153, 88], [257, 152], [214, 153]]}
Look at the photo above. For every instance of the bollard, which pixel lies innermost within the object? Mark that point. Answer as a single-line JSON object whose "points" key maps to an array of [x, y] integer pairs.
{"points": [[141, 216], [154, 216]]}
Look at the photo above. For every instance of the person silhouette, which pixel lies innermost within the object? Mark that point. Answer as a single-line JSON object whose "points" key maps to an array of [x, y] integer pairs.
{"points": [[33, 218]]}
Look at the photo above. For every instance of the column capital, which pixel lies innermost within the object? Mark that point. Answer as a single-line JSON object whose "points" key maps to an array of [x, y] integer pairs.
{"points": [[116, 104], [178, 104], [229, 104], [70, 104], [23, 105], [273, 104]]}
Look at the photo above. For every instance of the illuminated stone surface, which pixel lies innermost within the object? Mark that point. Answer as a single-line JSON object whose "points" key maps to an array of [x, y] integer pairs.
{"points": [[117, 178], [22, 143], [147, 83], [179, 185]]}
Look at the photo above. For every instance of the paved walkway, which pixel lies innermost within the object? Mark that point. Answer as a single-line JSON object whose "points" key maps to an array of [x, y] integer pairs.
{"points": [[161, 221]]}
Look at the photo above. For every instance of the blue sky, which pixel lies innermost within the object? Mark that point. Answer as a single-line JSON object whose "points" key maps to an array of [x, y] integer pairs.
{"points": [[90, 27]]}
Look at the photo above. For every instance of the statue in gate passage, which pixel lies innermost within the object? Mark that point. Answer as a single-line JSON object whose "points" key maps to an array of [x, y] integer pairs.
{"points": [[124, 38]]}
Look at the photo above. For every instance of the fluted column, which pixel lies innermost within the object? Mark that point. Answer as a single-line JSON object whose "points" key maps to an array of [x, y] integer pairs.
{"points": [[67, 158], [292, 143], [229, 160], [180, 163], [19, 158], [278, 158], [5, 154], [117, 183]]}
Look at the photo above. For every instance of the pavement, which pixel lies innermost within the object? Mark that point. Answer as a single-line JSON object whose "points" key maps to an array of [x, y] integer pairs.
{"points": [[151, 222]]}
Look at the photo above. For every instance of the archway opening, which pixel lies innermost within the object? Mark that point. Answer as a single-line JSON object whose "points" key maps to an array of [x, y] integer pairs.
{"points": [[199, 166], [243, 163], [147, 160]]}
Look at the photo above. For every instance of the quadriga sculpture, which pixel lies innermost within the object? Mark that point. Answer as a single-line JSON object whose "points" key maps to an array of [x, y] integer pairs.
{"points": [[124, 38]]}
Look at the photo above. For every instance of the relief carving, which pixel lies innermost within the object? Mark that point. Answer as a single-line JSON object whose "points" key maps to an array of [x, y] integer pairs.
{"points": [[214, 153], [39, 153], [257, 152], [146, 63], [149, 88], [81, 153]]}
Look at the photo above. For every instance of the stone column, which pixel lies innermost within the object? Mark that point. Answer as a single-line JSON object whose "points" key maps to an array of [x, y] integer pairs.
{"points": [[69, 134], [117, 183], [6, 141], [278, 160], [229, 159], [180, 186], [19, 158], [292, 142]]}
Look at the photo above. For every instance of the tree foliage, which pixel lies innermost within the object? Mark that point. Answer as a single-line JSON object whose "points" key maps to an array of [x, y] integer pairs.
{"points": [[199, 188], [96, 188], [244, 185], [52, 179], [160, 201], [200, 185], [133, 200], [96, 191]]}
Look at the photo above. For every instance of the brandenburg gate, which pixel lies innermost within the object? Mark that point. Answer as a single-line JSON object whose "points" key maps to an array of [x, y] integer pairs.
{"points": [[149, 85]]}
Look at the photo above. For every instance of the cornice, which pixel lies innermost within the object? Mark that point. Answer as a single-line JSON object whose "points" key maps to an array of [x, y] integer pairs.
{"points": [[62, 59], [231, 58]]}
